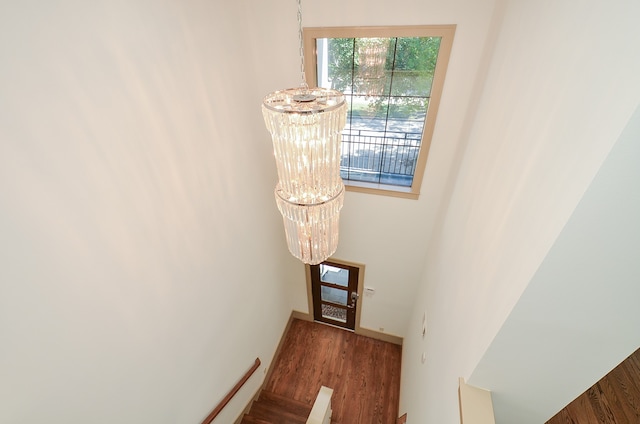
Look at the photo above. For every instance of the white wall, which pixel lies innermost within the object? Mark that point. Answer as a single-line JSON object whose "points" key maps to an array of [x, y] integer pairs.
{"points": [[388, 235], [124, 225], [141, 254], [578, 317], [560, 89]]}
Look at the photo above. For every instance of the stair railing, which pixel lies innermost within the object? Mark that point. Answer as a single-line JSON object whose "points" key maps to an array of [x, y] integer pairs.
{"points": [[476, 406], [231, 393], [321, 411]]}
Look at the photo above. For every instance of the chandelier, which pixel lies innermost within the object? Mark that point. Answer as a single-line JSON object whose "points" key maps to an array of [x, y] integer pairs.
{"points": [[306, 126]]}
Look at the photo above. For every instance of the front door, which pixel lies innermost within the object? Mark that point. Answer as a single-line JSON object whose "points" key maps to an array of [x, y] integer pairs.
{"points": [[335, 293]]}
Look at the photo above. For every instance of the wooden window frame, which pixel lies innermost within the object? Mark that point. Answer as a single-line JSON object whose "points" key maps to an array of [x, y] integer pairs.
{"points": [[446, 33]]}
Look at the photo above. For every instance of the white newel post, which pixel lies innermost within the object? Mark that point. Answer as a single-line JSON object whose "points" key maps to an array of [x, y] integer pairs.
{"points": [[321, 411]]}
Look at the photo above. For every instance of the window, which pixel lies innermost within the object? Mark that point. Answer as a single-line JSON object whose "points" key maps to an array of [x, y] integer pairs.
{"points": [[392, 78]]}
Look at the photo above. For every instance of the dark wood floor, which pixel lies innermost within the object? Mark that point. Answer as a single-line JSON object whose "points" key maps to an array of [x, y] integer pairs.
{"points": [[615, 399], [364, 373]]}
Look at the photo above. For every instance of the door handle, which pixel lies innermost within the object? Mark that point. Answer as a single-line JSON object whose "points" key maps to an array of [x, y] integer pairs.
{"points": [[354, 299]]}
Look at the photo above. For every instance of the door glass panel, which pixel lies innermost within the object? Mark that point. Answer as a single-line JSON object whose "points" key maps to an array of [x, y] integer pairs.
{"points": [[334, 275], [334, 313], [332, 295]]}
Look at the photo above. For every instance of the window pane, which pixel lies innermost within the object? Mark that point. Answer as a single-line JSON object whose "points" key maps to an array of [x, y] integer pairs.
{"points": [[372, 87], [334, 275], [362, 157], [330, 294], [415, 63], [406, 117], [399, 163], [371, 110], [411, 83], [373, 65], [332, 312], [335, 63]]}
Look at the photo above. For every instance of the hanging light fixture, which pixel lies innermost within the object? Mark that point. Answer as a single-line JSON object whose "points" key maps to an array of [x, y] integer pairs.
{"points": [[306, 128]]}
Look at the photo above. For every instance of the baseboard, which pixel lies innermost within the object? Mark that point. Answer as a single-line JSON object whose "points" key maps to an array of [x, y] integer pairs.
{"points": [[389, 338], [301, 316], [294, 314]]}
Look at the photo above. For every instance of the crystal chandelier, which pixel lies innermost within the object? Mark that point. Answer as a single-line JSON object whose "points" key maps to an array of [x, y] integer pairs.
{"points": [[306, 125]]}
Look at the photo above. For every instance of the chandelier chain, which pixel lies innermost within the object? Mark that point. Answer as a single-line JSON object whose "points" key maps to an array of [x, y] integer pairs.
{"points": [[303, 82]]}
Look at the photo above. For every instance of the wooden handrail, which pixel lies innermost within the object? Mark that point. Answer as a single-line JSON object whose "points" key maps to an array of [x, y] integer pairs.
{"points": [[231, 393]]}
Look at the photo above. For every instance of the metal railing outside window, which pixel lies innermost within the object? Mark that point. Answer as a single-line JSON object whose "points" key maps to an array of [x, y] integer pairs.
{"points": [[387, 157]]}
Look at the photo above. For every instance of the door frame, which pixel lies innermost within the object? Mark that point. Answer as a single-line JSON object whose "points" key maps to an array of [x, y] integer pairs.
{"points": [[360, 288]]}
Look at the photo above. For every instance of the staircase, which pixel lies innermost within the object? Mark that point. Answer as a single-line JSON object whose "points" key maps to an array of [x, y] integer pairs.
{"points": [[271, 408]]}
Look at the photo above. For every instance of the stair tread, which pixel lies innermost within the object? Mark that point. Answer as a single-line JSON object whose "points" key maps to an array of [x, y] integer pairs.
{"points": [[272, 408], [270, 411], [301, 407], [250, 419]]}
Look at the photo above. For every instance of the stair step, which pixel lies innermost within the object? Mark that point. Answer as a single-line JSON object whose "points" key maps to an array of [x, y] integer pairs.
{"points": [[271, 412], [272, 408], [296, 407], [250, 419]]}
